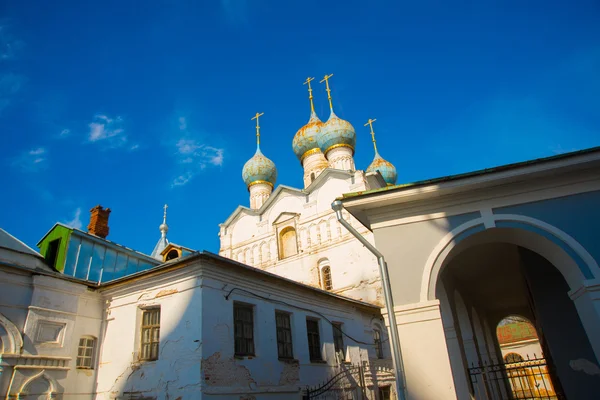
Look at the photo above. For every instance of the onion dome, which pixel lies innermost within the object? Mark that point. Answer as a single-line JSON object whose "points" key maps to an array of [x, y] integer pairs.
{"points": [[385, 168], [336, 132], [259, 169], [305, 139]]}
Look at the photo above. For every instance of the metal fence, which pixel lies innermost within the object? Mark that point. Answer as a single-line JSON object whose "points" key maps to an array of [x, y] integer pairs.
{"points": [[523, 380]]}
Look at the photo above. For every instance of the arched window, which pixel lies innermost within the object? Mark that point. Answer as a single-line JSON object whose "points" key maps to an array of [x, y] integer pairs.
{"points": [[513, 358], [378, 343], [287, 243], [312, 177], [326, 278], [172, 255]]}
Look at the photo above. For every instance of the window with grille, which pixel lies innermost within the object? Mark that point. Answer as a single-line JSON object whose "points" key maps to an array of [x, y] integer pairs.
{"points": [[85, 352], [338, 339], [284, 335], [150, 334], [314, 340], [378, 344], [326, 274], [244, 329]]}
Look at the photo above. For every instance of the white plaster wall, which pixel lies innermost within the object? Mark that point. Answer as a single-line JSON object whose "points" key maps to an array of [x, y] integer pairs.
{"points": [[196, 356]]}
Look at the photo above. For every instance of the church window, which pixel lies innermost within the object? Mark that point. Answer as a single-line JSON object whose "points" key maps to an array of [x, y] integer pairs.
{"points": [[85, 352], [284, 335], [338, 339], [326, 277], [243, 325], [378, 343], [150, 334], [287, 243], [314, 340], [312, 177]]}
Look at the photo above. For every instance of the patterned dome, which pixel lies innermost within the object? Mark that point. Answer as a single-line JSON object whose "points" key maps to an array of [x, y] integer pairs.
{"points": [[306, 137], [259, 169], [336, 132], [385, 168]]}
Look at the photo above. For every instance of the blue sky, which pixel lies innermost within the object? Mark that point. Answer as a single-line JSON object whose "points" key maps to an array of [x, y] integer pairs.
{"points": [[135, 104]]}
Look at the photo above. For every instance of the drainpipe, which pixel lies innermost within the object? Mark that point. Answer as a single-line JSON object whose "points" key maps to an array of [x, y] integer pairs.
{"points": [[387, 293]]}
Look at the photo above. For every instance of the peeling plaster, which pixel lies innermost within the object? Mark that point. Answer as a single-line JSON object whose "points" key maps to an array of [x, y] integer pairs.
{"points": [[225, 372]]}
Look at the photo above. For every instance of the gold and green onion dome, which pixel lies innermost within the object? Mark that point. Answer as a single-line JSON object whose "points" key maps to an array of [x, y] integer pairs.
{"points": [[305, 139], [259, 169], [385, 168], [336, 132]]}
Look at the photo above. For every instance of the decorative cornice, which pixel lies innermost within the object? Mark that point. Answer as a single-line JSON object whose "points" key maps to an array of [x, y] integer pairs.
{"points": [[309, 153], [335, 146], [259, 182]]}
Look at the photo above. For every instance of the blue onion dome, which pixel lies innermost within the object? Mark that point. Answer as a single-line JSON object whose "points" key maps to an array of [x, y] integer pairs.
{"points": [[305, 139], [336, 132], [385, 168], [259, 169]]}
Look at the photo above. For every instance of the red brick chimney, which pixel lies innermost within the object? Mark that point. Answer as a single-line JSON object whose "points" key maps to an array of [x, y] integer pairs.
{"points": [[99, 221]]}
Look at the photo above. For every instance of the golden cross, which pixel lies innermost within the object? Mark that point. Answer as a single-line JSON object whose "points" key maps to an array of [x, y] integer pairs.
{"points": [[257, 127], [370, 123], [326, 80], [310, 96]]}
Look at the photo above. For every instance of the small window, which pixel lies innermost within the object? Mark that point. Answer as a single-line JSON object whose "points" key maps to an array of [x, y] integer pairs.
{"points": [[378, 344], [287, 243], [312, 177], [52, 252], [385, 393], [243, 323], [314, 340], [284, 335], [326, 278], [171, 255], [85, 352], [150, 334], [338, 339]]}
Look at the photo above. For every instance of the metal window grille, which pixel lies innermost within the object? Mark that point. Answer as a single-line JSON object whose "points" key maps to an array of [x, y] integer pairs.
{"points": [[244, 330], [150, 334], [284, 335], [378, 344], [314, 340], [85, 352], [327, 283], [338, 339]]}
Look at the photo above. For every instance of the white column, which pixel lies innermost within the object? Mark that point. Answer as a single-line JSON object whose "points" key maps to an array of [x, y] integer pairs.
{"points": [[459, 370], [424, 352], [587, 302]]}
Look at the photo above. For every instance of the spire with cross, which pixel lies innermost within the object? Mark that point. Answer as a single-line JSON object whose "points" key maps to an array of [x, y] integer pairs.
{"points": [[310, 95], [370, 123], [257, 127], [326, 80]]}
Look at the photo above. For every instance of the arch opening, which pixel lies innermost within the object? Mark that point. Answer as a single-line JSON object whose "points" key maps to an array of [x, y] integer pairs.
{"points": [[493, 279]]}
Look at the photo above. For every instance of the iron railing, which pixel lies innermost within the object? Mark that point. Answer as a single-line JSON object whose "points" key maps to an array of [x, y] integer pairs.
{"points": [[520, 380]]}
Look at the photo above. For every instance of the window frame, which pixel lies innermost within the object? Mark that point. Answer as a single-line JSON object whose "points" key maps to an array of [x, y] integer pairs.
{"points": [[280, 332], [53, 247], [310, 336], [152, 328], [249, 342], [326, 277], [283, 231], [86, 346], [338, 339], [378, 343]]}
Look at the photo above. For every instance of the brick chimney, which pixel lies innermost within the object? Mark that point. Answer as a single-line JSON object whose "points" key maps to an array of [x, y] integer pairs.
{"points": [[99, 221]]}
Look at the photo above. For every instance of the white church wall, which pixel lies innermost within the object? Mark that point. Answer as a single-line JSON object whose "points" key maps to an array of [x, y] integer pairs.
{"points": [[196, 349]]}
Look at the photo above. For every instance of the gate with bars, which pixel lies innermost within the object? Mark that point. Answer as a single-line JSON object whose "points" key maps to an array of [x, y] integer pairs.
{"points": [[348, 383], [518, 380]]}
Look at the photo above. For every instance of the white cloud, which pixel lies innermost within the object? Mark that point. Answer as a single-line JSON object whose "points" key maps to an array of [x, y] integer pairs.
{"points": [[64, 133], [182, 124], [76, 221], [182, 179], [32, 160], [107, 130], [10, 85]]}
